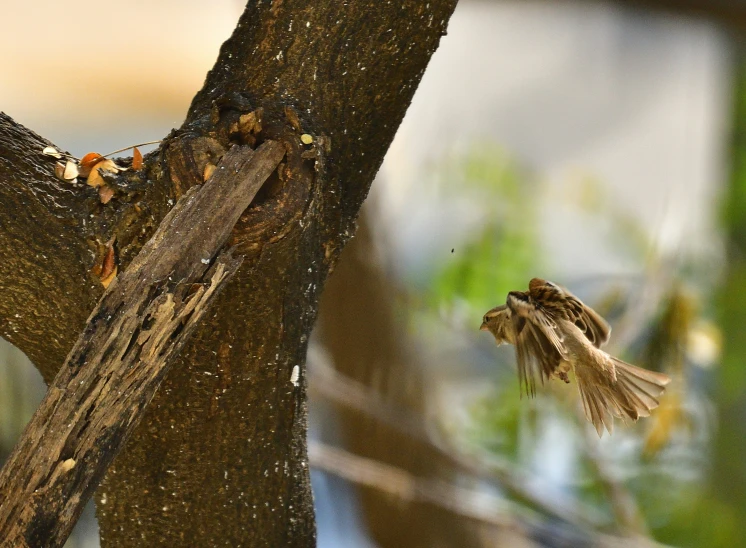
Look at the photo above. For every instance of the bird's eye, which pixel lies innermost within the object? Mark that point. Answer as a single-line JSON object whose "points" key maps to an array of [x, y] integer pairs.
{"points": [[485, 319]]}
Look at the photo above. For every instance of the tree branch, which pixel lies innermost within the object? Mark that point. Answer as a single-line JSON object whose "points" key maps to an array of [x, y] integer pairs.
{"points": [[112, 373], [42, 251]]}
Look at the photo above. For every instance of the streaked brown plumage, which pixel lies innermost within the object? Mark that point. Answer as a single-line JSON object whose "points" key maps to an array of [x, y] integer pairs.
{"points": [[553, 332]]}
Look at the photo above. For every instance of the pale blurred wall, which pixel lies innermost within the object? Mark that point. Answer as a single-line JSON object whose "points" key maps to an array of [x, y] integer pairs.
{"points": [[101, 75], [637, 100]]}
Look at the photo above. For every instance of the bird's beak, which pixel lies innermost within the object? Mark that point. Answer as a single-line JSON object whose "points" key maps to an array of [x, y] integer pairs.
{"points": [[484, 327]]}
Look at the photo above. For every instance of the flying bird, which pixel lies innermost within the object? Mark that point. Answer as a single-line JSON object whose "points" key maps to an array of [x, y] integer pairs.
{"points": [[554, 332]]}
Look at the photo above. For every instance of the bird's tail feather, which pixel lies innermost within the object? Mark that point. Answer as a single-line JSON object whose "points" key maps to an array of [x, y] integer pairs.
{"points": [[633, 395]]}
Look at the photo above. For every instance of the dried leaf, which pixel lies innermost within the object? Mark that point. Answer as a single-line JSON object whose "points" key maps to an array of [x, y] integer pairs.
{"points": [[105, 194], [95, 180], [109, 264], [59, 171], [88, 161], [208, 171], [71, 171], [110, 278], [292, 117], [94, 177], [251, 122], [51, 151], [136, 159], [108, 165]]}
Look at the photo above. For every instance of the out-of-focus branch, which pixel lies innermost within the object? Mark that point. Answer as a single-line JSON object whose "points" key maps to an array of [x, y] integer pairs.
{"points": [[400, 483], [468, 503], [339, 388]]}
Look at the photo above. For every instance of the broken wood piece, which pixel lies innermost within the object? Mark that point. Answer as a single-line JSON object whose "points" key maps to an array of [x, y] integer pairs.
{"points": [[123, 354]]}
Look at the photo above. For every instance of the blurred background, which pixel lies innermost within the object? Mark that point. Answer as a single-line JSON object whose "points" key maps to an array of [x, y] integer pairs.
{"points": [[596, 144]]}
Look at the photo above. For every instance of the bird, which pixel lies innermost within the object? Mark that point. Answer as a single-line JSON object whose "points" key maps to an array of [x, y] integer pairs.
{"points": [[553, 333]]}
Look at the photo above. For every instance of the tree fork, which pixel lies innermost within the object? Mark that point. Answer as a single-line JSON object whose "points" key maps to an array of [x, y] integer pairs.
{"points": [[220, 456]]}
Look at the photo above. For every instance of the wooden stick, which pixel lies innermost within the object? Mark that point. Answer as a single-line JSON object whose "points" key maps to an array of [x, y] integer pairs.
{"points": [[120, 359]]}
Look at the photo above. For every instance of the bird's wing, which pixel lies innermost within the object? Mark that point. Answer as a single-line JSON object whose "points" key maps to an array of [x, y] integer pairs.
{"points": [[590, 322], [558, 301], [538, 345]]}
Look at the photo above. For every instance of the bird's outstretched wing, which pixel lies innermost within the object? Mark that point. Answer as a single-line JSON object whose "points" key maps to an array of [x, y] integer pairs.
{"points": [[538, 345], [558, 302]]}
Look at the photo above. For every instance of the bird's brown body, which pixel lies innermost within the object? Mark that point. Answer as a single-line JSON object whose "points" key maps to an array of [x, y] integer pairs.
{"points": [[554, 332]]}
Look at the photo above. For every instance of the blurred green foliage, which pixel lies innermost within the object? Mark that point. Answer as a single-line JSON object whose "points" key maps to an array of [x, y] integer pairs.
{"points": [[506, 247]]}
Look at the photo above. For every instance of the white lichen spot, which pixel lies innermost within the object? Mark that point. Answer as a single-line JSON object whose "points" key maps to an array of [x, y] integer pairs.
{"points": [[295, 375], [205, 261]]}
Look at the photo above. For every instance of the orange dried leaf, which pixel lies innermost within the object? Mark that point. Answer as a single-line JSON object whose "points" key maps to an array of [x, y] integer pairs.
{"points": [[94, 177], [88, 161], [110, 278], [95, 180], [136, 159], [208, 171], [109, 264]]}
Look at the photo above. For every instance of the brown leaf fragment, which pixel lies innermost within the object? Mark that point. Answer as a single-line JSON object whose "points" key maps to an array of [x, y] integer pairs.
{"points": [[105, 194], [281, 171], [109, 265], [208, 171], [292, 117], [110, 278], [136, 159], [251, 122]]}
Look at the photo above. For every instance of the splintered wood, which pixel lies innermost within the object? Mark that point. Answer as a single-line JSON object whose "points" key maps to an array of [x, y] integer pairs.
{"points": [[120, 359]]}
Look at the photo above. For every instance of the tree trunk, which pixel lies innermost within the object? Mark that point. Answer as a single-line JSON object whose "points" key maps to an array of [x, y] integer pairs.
{"points": [[220, 456]]}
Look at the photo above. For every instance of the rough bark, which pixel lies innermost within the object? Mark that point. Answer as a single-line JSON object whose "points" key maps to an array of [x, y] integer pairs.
{"points": [[120, 359], [220, 457]]}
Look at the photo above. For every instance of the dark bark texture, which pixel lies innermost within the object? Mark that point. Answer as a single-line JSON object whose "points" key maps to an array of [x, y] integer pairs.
{"points": [[220, 457]]}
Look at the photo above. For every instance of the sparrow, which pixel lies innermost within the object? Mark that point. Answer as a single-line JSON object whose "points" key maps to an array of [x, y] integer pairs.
{"points": [[554, 332]]}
